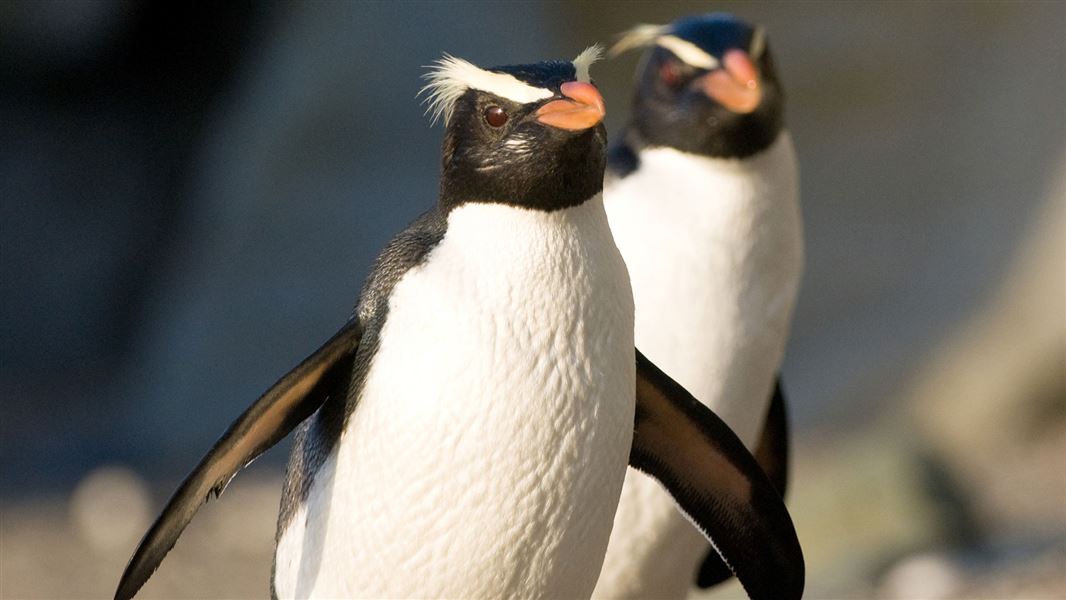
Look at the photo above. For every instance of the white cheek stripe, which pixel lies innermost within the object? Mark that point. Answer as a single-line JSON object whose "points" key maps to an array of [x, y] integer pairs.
{"points": [[450, 77], [688, 52]]}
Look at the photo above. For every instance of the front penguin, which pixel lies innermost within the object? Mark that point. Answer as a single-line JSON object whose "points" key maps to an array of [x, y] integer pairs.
{"points": [[484, 435]]}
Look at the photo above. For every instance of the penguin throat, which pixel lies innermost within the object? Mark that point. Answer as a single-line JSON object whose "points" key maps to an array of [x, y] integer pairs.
{"points": [[717, 133], [565, 176]]}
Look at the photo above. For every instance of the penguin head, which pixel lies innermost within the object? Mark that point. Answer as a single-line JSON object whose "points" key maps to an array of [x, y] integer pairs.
{"points": [[706, 86], [527, 135]]}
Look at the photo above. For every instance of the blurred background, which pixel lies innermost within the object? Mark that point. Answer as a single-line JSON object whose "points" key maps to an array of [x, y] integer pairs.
{"points": [[191, 196]]}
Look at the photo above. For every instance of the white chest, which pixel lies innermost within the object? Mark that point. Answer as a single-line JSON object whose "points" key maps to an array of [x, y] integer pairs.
{"points": [[487, 451], [714, 249]]}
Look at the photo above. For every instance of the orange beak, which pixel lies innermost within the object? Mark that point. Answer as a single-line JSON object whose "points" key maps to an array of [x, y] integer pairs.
{"points": [[583, 110], [736, 85]]}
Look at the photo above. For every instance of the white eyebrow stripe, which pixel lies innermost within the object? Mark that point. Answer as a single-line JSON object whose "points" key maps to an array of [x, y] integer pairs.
{"points": [[584, 60], [450, 77], [506, 86], [689, 53]]}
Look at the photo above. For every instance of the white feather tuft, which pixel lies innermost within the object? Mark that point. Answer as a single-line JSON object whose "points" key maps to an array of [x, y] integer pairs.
{"points": [[640, 36], [444, 86], [585, 60], [689, 53], [758, 43], [450, 77]]}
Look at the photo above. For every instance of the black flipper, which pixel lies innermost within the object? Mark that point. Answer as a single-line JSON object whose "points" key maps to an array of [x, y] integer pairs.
{"points": [[772, 451], [291, 400], [718, 485], [772, 456]]}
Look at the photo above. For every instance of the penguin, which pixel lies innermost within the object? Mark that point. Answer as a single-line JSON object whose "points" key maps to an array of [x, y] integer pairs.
{"points": [[467, 432], [702, 197]]}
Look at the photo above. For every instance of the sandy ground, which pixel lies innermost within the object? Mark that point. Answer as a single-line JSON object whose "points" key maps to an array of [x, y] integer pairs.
{"points": [[878, 541]]}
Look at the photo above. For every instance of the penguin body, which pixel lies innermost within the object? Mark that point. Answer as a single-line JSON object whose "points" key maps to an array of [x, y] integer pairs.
{"points": [[708, 223], [716, 256], [472, 462], [467, 432], [479, 467], [717, 347]]}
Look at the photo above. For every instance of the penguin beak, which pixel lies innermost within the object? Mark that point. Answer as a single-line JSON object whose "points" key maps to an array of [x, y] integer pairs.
{"points": [[584, 109], [735, 85]]}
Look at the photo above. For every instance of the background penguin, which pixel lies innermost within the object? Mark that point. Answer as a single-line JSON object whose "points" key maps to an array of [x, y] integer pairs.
{"points": [[702, 197], [471, 425]]}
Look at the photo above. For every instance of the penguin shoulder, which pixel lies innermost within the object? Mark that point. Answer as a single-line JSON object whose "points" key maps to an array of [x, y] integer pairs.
{"points": [[405, 251]]}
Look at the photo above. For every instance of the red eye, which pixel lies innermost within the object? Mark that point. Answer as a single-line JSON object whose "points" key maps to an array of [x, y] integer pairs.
{"points": [[495, 116], [670, 73]]}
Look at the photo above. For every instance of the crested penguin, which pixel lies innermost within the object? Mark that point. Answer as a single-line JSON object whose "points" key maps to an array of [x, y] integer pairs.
{"points": [[702, 198], [467, 432]]}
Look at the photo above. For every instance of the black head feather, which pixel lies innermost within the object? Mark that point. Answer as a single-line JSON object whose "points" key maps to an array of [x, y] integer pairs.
{"points": [[522, 162], [674, 112]]}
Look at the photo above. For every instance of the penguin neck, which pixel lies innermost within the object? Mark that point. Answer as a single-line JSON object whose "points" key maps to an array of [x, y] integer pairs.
{"points": [[634, 152], [718, 134], [553, 177], [527, 245], [546, 203], [726, 135], [474, 217], [724, 200]]}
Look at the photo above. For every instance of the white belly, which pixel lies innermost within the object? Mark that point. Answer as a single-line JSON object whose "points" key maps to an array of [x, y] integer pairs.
{"points": [[714, 250], [490, 442]]}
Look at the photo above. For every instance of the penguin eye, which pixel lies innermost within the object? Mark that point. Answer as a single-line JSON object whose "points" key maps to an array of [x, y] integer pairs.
{"points": [[495, 116], [670, 73]]}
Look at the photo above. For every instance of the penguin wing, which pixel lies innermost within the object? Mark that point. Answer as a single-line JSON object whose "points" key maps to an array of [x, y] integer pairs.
{"points": [[772, 456], [718, 485], [292, 399], [772, 451]]}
